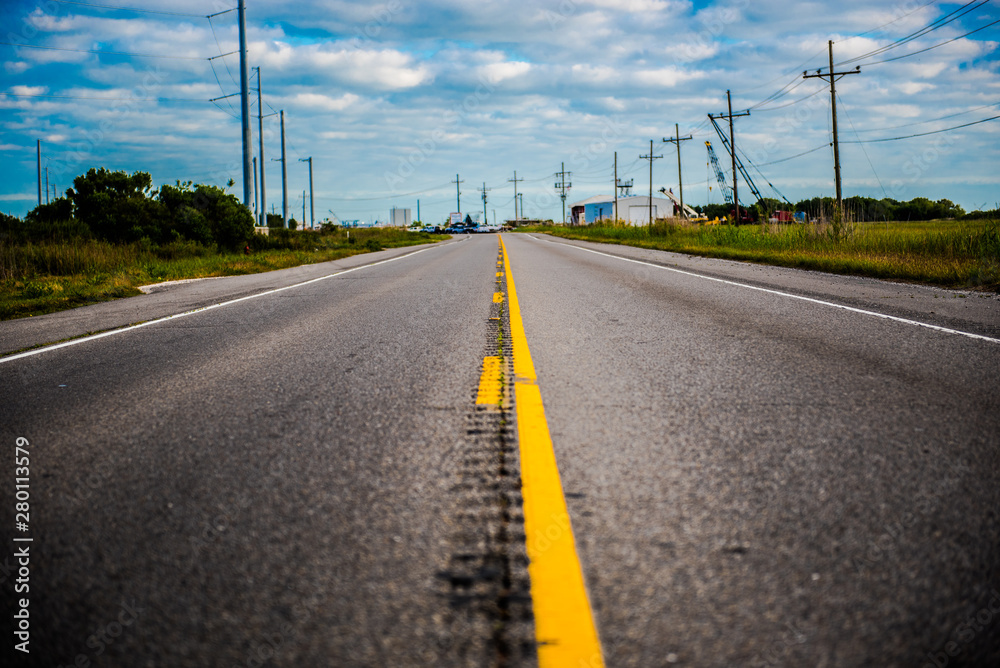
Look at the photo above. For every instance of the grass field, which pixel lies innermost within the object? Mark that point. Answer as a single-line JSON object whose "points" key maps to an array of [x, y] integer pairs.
{"points": [[948, 253], [47, 276]]}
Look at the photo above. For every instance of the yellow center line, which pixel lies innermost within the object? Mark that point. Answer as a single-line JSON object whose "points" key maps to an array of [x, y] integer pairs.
{"points": [[490, 390], [564, 624]]}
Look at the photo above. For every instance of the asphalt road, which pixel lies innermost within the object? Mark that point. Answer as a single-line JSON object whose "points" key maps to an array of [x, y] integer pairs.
{"points": [[755, 474]]}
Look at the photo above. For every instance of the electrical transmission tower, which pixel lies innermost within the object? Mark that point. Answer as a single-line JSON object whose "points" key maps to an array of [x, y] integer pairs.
{"points": [[832, 77], [651, 158], [563, 186]]}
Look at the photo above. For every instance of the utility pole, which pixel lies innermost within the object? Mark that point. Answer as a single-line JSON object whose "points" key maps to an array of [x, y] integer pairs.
{"points": [[256, 192], [312, 205], [651, 158], [832, 77], [615, 187], [677, 139], [284, 173], [245, 104], [418, 212], [562, 186], [303, 209], [515, 181], [260, 139], [521, 197], [46, 184], [732, 144], [458, 195], [486, 215], [38, 159]]}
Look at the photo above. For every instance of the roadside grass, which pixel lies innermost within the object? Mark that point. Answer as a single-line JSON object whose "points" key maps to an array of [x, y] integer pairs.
{"points": [[948, 253], [47, 276]]}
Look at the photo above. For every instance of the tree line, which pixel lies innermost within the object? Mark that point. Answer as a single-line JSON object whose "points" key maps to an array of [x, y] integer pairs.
{"points": [[856, 208], [119, 207]]}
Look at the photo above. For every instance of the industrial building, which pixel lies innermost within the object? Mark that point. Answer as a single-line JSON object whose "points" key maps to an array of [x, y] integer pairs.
{"points": [[633, 210], [399, 217]]}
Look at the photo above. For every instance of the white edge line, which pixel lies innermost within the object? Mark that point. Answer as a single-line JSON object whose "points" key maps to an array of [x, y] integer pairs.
{"points": [[127, 328], [876, 314]]}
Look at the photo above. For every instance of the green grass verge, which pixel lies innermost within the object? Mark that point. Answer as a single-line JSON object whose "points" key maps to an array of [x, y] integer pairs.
{"points": [[955, 254], [44, 277]]}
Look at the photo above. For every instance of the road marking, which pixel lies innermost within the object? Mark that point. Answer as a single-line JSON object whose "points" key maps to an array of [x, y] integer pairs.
{"points": [[490, 391], [128, 328], [497, 297], [564, 624], [853, 309]]}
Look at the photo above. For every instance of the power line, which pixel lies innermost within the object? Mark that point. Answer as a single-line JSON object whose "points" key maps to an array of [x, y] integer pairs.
{"points": [[870, 163], [898, 18], [889, 60], [934, 25], [792, 103], [923, 134], [798, 155], [932, 120]]}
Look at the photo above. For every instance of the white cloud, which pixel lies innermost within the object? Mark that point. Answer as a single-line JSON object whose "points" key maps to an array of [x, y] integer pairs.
{"points": [[497, 72], [29, 90], [667, 77], [914, 87], [324, 102]]}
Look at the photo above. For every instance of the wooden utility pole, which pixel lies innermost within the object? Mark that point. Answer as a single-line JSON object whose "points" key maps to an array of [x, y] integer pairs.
{"points": [[832, 77], [732, 150], [677, 139], [651, 158]]}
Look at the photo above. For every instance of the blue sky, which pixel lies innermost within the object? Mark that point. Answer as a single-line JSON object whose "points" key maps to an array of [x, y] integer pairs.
{"points": [[393, 99]]}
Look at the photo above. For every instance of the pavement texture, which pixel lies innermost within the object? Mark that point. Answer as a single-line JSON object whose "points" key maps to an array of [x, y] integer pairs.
{"points": [[304, 478], [301, 479], [758, 480]]}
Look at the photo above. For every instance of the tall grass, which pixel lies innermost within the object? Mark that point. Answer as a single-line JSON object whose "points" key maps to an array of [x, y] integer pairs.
{"points": [[949, 253], [41, 276]]}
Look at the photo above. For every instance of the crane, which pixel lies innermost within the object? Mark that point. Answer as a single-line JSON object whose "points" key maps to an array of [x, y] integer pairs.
{"points": [[727, 192], [688, 211], [739, 163]]}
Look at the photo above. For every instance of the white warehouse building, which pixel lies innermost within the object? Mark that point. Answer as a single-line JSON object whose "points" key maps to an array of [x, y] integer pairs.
{"points": [[633, 210], [399, 217]]}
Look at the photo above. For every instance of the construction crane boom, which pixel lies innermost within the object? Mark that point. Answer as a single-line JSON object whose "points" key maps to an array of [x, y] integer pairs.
{"points": [[727, 192], [739, 163], [688, 211]]}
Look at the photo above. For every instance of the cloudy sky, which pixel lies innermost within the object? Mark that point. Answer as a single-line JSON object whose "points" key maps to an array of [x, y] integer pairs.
{"points": [[393, 99]]}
